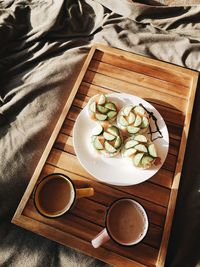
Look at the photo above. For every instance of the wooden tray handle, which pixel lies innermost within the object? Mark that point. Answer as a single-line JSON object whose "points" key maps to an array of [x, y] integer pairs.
{"points": [[84, 192]]}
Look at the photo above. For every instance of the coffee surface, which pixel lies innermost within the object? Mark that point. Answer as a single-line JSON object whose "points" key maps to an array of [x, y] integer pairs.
{"points": [[126, 222], [55, 195]]}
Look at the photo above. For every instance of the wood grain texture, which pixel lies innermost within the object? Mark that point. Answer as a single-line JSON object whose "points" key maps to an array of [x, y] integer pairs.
{"points": [[69, 162], [139, 79], [75, 242], [86, 230], [147, 67], [118, 85], [171, 90], [106, 194]]}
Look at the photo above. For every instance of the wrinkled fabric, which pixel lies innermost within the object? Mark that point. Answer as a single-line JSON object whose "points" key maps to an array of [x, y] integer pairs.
{"points": [[43, 45]]}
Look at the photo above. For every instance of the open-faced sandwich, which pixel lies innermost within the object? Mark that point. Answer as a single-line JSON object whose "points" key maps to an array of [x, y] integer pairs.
{"points": [[107, 140], [101, 108], [141, 151], [133, 119]]}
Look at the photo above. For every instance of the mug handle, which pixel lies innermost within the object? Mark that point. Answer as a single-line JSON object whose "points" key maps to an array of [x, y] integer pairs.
{"points": [[84, 192], [100, 239]]}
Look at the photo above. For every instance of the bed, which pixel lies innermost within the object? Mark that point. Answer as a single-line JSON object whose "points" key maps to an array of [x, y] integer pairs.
{"points": [[43, 46]]}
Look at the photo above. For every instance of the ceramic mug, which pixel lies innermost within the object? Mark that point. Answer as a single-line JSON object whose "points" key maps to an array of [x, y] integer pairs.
{"points": [[55, 195], [126, 223]]}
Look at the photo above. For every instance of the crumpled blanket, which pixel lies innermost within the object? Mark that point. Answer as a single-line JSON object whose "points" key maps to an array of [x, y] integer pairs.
{"points": [[43, 44]]}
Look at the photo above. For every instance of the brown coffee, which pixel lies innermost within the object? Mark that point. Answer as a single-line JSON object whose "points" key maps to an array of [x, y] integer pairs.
{"points": [[126, 222], [55, 195]]}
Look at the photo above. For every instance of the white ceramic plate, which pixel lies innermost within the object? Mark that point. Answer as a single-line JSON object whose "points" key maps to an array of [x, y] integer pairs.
{"points": [[116, 171]]}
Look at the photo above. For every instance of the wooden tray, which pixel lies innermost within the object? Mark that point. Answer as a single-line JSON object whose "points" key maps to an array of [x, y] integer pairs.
{"points": [[171, 89]]}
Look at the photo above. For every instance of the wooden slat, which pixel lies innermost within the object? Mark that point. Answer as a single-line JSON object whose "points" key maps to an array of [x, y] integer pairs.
{"points": [[78, 227], [170, 115], [174, 116], [86, 88], [77, 223], [163, 177], [95, 212], [147, 190], [166, 91], [170, 163], [67, 127], [175, 132], [64, 142], [174, 146], [145, 67], [73, 113], [106, 194], [75, 242]]}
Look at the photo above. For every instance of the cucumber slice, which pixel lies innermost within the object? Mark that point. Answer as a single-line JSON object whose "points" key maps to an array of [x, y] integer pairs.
{"points": [[102, 100], [141, 148], [139, 110], [140, 138], [97, 144], [138, 121], [145, 122], [102, 109], [111, 114], [147, 161], [127, 110], [152, 150], [130, 152], [101, 117], [130, 143], [110, 106], [97, 130], [123, 121], [118, 142], [109, 148], [137, 159], [108, 136], [131, 118], [93, 107], [113, 130], [132, 129]]}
